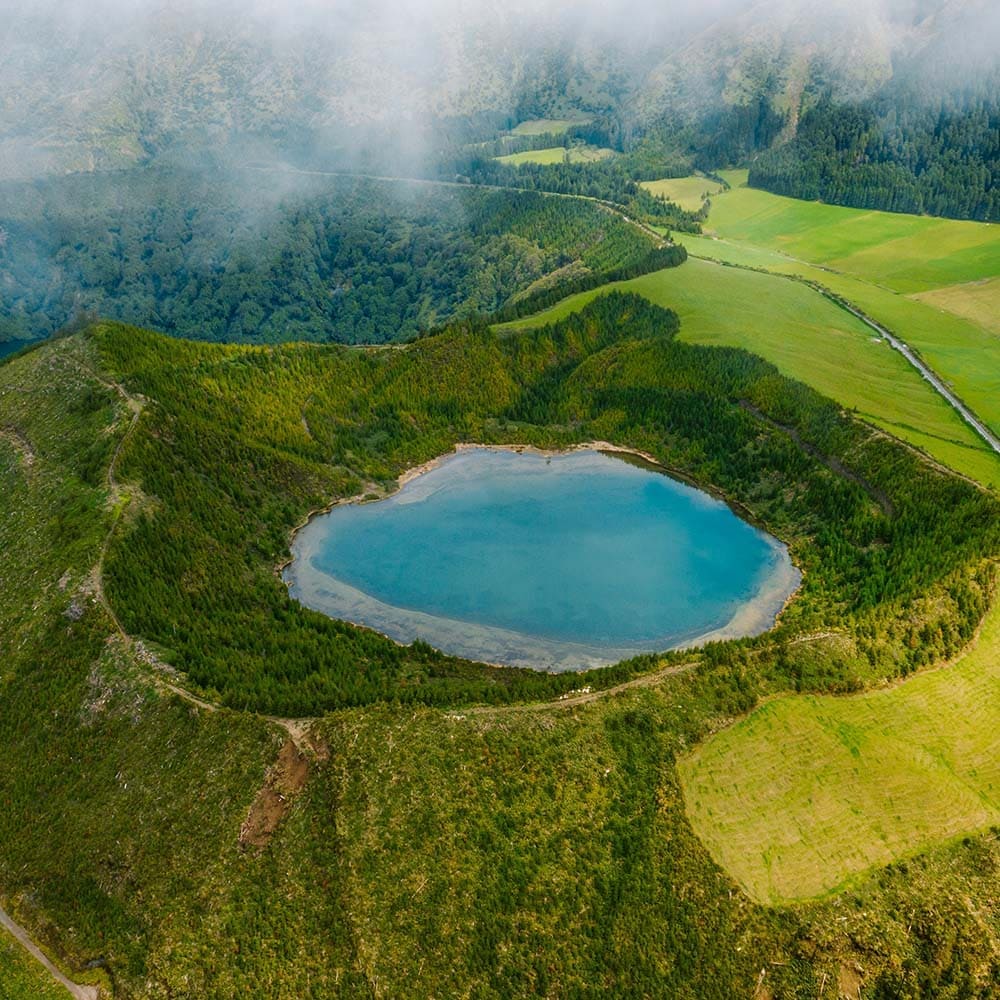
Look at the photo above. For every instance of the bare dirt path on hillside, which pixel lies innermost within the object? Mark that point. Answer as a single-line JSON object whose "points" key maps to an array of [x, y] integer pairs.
{"points": [[21, 936], [585, 696]]}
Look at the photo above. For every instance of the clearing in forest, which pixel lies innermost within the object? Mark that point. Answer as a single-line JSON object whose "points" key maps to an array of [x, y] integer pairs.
{"points": [[808, 792], [557, 154], [688, 192], [547, 126]]}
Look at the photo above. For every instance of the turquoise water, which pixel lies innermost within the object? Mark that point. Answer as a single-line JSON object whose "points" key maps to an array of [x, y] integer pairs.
{"points": [[10, 346], [558, 563]]}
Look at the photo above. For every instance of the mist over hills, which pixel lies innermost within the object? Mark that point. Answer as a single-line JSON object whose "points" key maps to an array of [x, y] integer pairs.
{"points": [[111, 85]]}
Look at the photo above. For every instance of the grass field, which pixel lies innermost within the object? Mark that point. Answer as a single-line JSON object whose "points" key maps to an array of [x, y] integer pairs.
{"points": [[21, 977], [809, 791], [684, 191], [547, 126], [978, 301], [907, 253], [557, 154], [932, 281], [808, 338]]}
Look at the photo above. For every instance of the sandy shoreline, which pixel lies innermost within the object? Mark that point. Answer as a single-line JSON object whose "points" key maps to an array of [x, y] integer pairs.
{"points": [[502, 647]]}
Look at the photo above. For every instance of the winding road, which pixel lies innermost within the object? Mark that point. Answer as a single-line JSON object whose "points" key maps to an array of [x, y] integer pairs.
{"points": [[935, 381], [929, 375]]}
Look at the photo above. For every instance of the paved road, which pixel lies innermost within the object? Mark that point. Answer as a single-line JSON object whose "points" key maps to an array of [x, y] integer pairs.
{"points": [[935, 381], [432, 181], [963, 411]]}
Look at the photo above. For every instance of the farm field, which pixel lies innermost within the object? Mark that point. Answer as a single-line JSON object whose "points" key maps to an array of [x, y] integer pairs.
{"points": [[978, 301], [684, 191], [557, 154], [807, 792], [21, 977], [808, 338], [907, 253], [547, 126], [931, 281]]}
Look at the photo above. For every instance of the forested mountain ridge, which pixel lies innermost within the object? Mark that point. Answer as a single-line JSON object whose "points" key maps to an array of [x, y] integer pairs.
{"points": [[261, 257], [902, 152], [435, 837]]}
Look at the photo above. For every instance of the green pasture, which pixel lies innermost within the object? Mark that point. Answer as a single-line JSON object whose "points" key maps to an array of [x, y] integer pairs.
{"points": [[21, 977], [965, 353], [808, 792], [557, 154], [547, 126], [978, 301], [688, 192], [809, 338], [907, 253]]}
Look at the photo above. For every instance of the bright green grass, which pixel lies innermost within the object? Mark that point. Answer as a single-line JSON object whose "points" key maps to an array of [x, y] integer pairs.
{"points": [[21, 977], [978, 301], [808, 792], [547, 126], [876, 260], [684, 191], [557, 154], [808, 338], [907, 253], [966, 354]]}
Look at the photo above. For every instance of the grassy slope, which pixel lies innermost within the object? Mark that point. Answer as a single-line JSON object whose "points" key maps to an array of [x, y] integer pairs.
{"points": [[906, 253], [684, 191], [877, 260], [121, 807], [514, 852], [977, 301], [21, 977], [809, 339], [556, 154], [808, 791]]}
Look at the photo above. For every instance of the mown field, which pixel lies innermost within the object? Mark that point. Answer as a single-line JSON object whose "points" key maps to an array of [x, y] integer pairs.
{"points": [[978, 301], [907, 253], [929, 280], [557, 154], [688, 192], [538, 849], [546, 126], [810, 791], [808, 338]]}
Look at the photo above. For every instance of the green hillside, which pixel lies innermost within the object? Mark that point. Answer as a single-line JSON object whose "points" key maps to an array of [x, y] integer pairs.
{"points": [[536, 846]]}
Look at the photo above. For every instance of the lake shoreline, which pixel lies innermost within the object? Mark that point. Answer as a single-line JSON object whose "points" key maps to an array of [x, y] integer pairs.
{"points": [[760, 614]]}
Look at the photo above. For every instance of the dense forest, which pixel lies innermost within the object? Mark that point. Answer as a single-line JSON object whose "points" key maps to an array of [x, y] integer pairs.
{"points": [[543, 850], [615, 180], [938, 158], [265, 256], [242, 442]]}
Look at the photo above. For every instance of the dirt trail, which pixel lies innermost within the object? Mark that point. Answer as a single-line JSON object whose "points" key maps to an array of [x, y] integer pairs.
{"points": [[21, 935], [20, 444]]}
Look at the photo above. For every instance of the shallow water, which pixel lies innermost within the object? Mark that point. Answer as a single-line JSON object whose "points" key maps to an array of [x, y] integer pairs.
{"points": [[558, 563]]}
